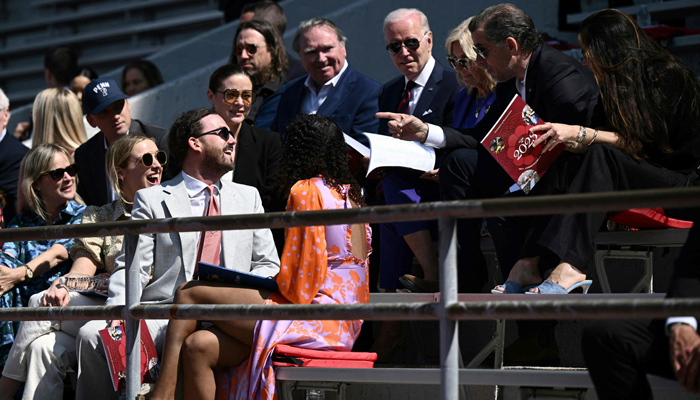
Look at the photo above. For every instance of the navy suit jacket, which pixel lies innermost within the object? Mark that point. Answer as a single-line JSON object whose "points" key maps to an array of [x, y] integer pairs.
{"points": [[11, 154], [436, 104], [559, 89], [351, 104]]}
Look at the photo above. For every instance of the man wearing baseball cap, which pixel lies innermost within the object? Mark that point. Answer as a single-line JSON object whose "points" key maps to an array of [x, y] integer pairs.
{"points": [[107, 108]]}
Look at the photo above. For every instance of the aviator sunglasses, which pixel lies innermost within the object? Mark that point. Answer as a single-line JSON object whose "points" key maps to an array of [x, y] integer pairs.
{"points": [[249, 48], [160, 156], [411, 43], [222, 132], [454, 61], [57, 174], [230, 96]]}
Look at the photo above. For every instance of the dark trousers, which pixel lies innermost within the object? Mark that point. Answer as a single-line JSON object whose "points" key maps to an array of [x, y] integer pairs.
{"points": [[619, 354], [571, 236], [469, 174], [403, 187]]}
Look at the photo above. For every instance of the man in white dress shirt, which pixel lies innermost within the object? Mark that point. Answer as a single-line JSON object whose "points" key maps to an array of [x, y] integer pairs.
{"points": [[201, 139], [332, 87]]}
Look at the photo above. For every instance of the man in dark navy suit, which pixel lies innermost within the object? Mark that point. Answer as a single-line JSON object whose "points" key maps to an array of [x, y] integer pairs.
{"points": [[426, 90], [331, 87], [11, 154]]}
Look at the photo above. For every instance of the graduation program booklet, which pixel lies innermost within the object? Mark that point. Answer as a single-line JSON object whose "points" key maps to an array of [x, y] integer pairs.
{"points": [[386, 151], [114, 343], [209, 272], [510, 142]]}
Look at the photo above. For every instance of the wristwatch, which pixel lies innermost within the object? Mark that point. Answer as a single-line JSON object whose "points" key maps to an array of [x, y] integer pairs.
{"points": [[29, 274]]}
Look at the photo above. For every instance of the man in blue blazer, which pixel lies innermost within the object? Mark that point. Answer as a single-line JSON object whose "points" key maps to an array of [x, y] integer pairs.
{"points": [[426, 90], [331, 86]]}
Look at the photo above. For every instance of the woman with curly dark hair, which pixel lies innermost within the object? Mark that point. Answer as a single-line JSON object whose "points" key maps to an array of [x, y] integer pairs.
{"points": [[652, 103], [319, 265]]}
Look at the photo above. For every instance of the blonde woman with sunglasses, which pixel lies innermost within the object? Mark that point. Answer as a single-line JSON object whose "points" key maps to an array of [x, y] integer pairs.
{"points": [[43, 351], [474, 100], [46, 196]]}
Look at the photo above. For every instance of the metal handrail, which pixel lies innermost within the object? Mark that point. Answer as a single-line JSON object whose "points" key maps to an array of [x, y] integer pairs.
{"points": [[535, 205], [448, 311]]}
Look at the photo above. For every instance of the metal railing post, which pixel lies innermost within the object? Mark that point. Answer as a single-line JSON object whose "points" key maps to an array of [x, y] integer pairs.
{"points": [[133, 344], [449, 331]]}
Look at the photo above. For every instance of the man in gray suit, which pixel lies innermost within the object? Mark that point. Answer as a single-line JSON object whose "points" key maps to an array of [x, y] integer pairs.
{"points": [[202, 149]]}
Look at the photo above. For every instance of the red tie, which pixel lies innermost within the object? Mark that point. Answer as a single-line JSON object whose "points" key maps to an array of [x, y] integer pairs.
{"points": [[210, 241], [406, 98]]}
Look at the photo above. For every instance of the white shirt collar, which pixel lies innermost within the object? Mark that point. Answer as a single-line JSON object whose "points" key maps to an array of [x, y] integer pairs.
{"points": [[2, 135], [309, 83], [424, 75], [195, 186], [105, 139], [522, 84]]}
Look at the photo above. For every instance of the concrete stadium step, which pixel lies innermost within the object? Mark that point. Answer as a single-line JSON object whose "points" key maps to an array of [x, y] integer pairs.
{"points": [[211, 18], [69, 18]]}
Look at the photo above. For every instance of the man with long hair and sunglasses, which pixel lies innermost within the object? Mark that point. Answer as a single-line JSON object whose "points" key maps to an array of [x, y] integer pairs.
{"points": [[108, 109], [259, 50], [201, 146]]}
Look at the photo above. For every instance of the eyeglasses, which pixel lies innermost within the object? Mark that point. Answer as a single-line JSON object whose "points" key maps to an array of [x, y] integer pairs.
{"points": [[411, 44], [454, 62], [160, 156], [249, 48], [230, 96], [222, 132], [483, 54], [57, 174]]}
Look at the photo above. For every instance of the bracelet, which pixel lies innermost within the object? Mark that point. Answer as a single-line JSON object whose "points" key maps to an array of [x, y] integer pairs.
{"points": [[581, 135], [595, 135]]}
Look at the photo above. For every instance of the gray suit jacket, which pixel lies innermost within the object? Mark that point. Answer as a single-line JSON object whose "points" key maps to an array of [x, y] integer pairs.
{"points": [[170, 257]]}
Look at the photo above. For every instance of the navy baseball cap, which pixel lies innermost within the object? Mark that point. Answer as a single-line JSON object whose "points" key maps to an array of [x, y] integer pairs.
{"points": [[99, 94]]}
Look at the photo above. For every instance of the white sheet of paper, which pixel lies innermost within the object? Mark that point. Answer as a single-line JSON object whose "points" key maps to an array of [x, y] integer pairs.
{"points": [[361, 148], [387, 151]]}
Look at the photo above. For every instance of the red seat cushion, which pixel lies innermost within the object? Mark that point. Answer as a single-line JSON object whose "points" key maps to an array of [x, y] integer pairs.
{"points": [[289, 356], [647, 218]]}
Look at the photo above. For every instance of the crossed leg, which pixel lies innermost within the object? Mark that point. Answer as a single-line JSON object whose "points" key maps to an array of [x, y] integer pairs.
{"points": [[226, 344]]}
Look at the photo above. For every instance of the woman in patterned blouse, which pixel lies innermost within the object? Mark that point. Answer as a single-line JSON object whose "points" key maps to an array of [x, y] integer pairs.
{"points": [[46, 197], [134, 162]]}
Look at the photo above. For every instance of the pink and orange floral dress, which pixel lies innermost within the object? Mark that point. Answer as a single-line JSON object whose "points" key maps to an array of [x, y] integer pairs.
{"points": [[317, 267]]}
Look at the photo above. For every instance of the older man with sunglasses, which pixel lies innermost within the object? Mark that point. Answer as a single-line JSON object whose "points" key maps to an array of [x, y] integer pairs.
{"points": [[108, 109], [202, 149], [426, 90]]}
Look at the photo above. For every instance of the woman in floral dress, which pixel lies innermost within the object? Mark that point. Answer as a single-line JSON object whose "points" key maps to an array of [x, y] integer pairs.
{"points": [[319, 265]]}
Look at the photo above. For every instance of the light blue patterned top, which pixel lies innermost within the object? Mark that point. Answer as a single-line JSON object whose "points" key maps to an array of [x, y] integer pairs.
{"points": [[16, 254]]}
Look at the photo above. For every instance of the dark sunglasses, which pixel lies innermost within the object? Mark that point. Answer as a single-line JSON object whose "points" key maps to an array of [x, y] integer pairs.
{"points": [[454, 61], [57, 174], [482, 53], [230, 95], [160, 156], [222, 132], [411, 43], [249, 48]]}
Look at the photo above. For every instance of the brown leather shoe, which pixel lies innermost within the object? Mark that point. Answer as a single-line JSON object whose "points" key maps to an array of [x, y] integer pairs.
{"points": [[418, 285]]}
